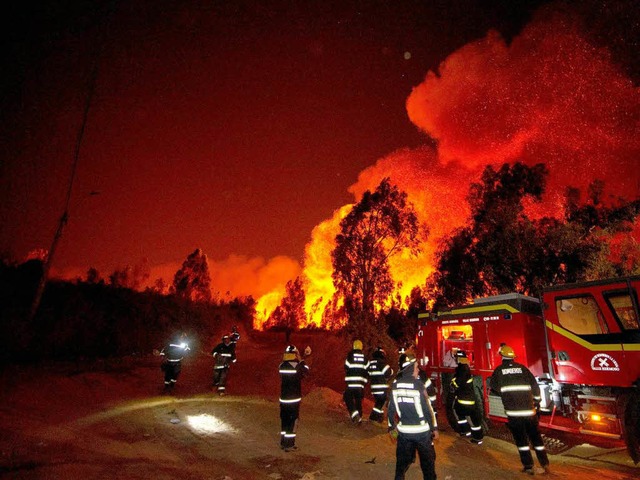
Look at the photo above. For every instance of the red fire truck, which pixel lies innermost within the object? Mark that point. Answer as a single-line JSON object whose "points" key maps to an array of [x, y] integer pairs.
{"points": [[581, 341]]}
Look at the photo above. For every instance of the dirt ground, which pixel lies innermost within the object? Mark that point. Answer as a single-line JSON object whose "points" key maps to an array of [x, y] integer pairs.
{"points": [[110, 420]]}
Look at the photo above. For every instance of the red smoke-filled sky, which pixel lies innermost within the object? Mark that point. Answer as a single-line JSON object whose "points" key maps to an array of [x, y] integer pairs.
{"points": [[238, 127]]}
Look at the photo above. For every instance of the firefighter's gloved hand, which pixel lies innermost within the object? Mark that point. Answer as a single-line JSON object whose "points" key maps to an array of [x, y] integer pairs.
{"points": [[393, 433]]}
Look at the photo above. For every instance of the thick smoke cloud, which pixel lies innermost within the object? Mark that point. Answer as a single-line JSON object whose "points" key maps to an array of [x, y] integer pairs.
{"points": [[550, 96]]}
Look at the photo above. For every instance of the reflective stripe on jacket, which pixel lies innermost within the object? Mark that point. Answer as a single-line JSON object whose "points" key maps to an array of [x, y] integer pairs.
{"points": [[291, 374], [517, 387], [379, 374], [410, 404], [224, 355], [355, 369], [462, 385]]}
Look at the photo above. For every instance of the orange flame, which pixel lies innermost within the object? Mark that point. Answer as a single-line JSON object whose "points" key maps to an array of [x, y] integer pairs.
{"points": [[430, 186]]}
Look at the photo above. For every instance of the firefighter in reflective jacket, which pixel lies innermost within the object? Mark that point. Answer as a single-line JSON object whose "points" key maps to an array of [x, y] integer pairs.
{"points": [[292, 370], [224, 355], [520, 394], [355, 377], [469, 418], [428, 384], [379, 373], [173, 354], [411, 414]]}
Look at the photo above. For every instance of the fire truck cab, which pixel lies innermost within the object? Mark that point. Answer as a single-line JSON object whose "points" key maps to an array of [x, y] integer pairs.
{"points": [[581, 342]]}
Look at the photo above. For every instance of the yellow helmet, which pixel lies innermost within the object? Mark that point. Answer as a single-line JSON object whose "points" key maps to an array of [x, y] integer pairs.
{"points": [[408, 360], [461, 356], [506, 351], [357, 345], [290, 353]]}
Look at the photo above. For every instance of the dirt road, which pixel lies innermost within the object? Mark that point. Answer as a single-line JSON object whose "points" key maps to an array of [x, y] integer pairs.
{"points": [[58, 422]]}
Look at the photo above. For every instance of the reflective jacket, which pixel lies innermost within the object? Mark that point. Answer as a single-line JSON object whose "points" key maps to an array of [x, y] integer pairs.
{"points": [[291, 374], [462, 385], [174, 351], [224, 354], [379, 373], [517, 387], [355, 369], [430, 387], [410, 404]]}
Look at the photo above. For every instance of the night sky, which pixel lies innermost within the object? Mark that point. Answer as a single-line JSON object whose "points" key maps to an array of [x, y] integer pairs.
{"points": [[238, 127]]}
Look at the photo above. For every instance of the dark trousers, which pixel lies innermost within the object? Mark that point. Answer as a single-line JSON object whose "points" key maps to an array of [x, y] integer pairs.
{"points": [[288, 415], [353, 399], [473, 429], [377, 414], [171, 372], [525, 429], [406, 451], [220, 378]]}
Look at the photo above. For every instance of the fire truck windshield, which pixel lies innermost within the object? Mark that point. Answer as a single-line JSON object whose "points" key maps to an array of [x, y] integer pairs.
{"points": [[581, 315]]}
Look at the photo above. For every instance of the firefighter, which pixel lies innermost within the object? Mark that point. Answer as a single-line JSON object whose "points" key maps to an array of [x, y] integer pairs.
{"points": [[469, 418], [449, 359], [234, 336], [428, 384], [173, 354], [416, 425], [224, 355], [520, 394], [379, 373], [355, 377], [292, 370]]}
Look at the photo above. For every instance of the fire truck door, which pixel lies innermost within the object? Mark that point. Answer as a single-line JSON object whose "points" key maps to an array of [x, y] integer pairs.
{"points": [[585, 347]]}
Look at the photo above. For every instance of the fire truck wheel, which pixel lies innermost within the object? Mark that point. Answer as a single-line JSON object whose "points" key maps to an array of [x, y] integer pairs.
{"points": [[631, 432]]}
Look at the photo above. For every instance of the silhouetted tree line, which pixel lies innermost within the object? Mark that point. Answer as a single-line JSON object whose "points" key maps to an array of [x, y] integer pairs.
{"points": [[503, 250], [92, 319]]}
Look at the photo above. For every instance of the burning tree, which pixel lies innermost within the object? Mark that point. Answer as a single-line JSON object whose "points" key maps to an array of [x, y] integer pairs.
{"points": [[381, 225], [491, 254], [193, 281], [290, 314], [503, 250]]}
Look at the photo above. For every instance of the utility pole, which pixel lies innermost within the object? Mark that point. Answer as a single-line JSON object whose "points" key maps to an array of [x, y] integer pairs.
{"points": [[64, 218]]}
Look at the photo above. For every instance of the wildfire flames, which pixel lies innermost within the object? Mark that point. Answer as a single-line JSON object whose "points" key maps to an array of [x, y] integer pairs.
{"points": [[550, 96]]}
